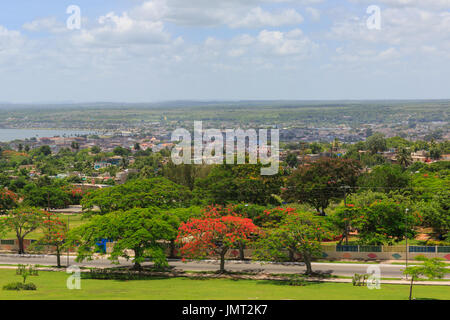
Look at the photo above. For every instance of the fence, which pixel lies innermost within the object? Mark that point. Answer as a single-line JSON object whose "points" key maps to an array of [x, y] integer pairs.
{"points": [[365, 252], [331, 252]]}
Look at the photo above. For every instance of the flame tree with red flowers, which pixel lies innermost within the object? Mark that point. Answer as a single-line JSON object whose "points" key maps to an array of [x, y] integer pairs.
{"points": [[271, 218], [23, 221], [236, 210], [75, 194], [8, 200], [55, 233], [214, 236]]}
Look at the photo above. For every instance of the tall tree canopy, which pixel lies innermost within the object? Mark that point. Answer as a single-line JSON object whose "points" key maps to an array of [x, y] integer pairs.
{"points": [[297, 234], [156, 192], [139, 230], [319, 182], [200, 238], [238, 184]]}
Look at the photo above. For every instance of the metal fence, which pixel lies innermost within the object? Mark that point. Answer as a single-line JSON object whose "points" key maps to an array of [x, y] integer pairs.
{"points": [[368, 248]]}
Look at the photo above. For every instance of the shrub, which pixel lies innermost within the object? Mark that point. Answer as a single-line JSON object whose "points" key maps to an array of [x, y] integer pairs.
{"points": [[297, 283], [17, 286], [13, 286], [29, 286]]}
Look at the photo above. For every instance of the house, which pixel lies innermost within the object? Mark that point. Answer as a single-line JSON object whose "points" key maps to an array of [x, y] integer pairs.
{"points": [[420, 156], [101, 164]]}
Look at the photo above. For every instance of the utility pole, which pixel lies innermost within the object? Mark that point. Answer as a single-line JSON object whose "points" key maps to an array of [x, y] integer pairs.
{"points": [[346, 221]]}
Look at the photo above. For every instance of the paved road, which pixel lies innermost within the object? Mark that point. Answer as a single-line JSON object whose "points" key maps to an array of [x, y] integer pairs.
{"points": [[340, 269]]}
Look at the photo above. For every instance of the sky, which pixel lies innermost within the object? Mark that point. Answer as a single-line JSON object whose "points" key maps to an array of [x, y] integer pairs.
{"points": [[160, 50]]}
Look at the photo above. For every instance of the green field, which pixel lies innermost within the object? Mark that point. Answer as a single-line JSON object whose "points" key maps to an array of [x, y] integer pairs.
{"points": [[52, 286]]}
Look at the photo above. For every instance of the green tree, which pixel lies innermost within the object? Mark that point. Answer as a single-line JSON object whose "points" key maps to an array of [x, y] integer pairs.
{"points": [[23, 221], [156, 192], [44, 150], [119, 151], [75, 145], [185, 174], [385, 178], [238, 184], [181, 215], [376, 143], [299, 233], [319, 182], [404, 157], [141, 230], [435, 213], [435, 153], [432, 268], [50, 197], [292, 160], [384, 222], [96, 150]]}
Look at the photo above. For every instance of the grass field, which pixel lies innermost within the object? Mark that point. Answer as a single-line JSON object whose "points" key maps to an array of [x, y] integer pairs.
{"points": [[52, 286]]}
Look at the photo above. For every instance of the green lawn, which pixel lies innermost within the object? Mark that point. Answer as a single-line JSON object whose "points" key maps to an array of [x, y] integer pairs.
{"points": [[52, 286]]}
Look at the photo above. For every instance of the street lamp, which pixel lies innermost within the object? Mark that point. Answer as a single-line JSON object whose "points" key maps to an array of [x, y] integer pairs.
{"points": [[68, 226], [406, 238]]}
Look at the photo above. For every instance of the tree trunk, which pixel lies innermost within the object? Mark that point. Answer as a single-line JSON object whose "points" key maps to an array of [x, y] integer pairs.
{"points": [[307, 260], [291, 255], [21, 246], [241, 251], [58, 257], [137, 266], [137, 254], [410, 288], [172, 249], [222, 260], [342, 239]]}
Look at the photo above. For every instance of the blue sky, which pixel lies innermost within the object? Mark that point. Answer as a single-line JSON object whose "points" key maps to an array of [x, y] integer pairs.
{"points": [[153, 50]]}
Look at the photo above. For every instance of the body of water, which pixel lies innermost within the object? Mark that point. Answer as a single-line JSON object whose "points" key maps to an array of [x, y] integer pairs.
{"points": [[7, 135]]}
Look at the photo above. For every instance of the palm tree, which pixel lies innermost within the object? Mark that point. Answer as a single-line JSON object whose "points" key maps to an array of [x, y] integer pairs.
{"points": [[404, 157]]}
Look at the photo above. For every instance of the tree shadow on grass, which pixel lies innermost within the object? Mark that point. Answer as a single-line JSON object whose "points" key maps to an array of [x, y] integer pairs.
{"points": [[289, 283]]}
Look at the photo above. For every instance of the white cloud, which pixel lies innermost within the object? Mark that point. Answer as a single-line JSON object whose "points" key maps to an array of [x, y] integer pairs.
{"points": [[314, 13], [407, 27], [428, 4], [132, 55], [117, 30], [11, 45], [231, 13], [50, 24], [258, 18]]}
